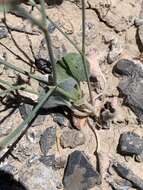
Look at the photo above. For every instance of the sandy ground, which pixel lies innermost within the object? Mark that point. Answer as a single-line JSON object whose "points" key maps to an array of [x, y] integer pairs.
{"points": [[109, 20]]}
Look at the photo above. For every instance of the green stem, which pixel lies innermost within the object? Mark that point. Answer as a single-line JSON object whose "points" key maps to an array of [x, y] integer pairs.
{"points": [[83, 50], [19, 86], [36, 77], [11, 138], [48, 41]]}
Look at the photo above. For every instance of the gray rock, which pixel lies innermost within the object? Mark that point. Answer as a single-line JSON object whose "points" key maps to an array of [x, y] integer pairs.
{"points": [[130, 144], [128, 174], [47, 160], [71, 138], [25, 110], [117, 184], [39, 177], [115, 51], [61, 120], [3, 32], [131, 88], [47, 139], [79, 173]]}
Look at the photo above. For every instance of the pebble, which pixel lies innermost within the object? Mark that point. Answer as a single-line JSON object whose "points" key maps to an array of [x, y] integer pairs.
{"points": [[48, 139], [3, 32], [130, 144], [43, 65], [79, 173], [115, 51], [71, 138]]}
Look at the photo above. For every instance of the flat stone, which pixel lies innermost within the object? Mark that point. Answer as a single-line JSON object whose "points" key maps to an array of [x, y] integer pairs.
{"points": [[130, 144], [71, 138], [79, 173], [47, 139]]}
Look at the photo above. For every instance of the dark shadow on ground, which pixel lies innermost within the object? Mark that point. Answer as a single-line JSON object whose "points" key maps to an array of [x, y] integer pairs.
{"points": [[7, 182]]}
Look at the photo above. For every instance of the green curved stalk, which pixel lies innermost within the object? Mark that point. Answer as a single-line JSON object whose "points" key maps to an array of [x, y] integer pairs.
{"points": [[11, 138]]}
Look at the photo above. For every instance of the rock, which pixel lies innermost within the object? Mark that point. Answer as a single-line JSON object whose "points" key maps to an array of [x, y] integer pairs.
{"points": [[79, 173], [43, 65], [115, 51], [47, 139], [119, 184], [32, 160], [125, 67], [39, 177], [131, 87], [53, 161], [130, 144], [47, 160], [25, 110], [61, 120], [128, 174], [3, 32], [71, 138]]}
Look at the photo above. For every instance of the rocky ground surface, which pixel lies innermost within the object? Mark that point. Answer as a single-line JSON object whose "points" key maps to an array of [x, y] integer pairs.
{"points": [[56, 153]]}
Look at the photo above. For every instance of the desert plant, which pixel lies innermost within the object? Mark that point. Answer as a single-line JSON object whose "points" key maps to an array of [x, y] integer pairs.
{"points": [[67, 74]]}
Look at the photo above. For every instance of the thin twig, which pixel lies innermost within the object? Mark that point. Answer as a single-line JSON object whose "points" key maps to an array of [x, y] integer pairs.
{"points": [[16, 55], [83, 50], [16, 44]]}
